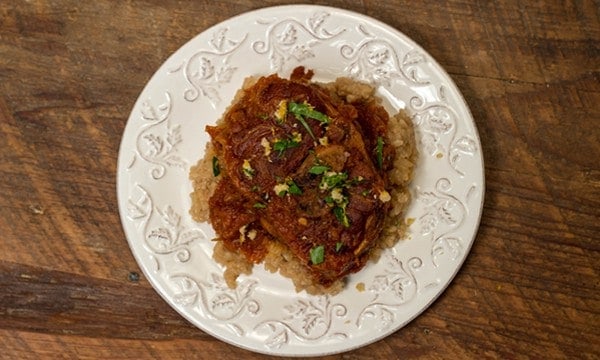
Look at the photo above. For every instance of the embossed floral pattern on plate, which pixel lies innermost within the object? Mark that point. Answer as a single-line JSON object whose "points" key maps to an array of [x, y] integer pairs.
{"points": [[165, 135]]}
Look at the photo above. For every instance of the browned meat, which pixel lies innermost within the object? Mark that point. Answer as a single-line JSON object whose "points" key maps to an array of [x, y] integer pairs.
{"points": [[303, 168]]}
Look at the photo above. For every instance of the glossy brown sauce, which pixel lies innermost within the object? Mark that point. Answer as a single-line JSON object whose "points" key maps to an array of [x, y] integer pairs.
{"points": [[302, 167]]}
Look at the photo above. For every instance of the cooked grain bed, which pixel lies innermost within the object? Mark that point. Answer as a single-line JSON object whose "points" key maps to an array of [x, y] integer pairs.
{"points": [[279, 258]]}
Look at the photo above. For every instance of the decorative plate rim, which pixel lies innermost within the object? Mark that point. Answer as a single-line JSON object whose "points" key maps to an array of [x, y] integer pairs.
{"points": [[434, 120]]}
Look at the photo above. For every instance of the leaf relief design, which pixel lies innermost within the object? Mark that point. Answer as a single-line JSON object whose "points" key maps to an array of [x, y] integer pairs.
{"points": [[447, 246], [392, 289], [171, 235], [436, 127], [158, 141], [434, 124], [292, 40], [214, 298], [443, 214], [464, 145], [163, 230], [375, 60], [209, 69], [304, 320], [140, 206], [440, 208]]}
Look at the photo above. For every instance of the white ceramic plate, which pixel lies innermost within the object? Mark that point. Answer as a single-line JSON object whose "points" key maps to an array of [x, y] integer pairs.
{"points": [[165, 135]]}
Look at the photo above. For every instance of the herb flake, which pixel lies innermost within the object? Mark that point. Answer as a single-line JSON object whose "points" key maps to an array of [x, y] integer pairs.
{"points": [[318, 169], [287, 187], [379, 152], [215, 166], [247, 169], [293, 188], [340, 215], [282, 145], [303, 111], [317, 254], [307, 127], [259, 205], [332, 179]]}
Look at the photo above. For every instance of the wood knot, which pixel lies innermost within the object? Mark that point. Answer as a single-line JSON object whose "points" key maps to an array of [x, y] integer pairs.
{"points": [[36, 209], [133, 276]]}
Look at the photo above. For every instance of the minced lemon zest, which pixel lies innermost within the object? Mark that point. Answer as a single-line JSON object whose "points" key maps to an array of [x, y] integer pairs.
{"points": [[267, 145], [385, 196], [247, 168], [336, 195], [281, 111], [281, 188], [296, 137], [242, 231]]}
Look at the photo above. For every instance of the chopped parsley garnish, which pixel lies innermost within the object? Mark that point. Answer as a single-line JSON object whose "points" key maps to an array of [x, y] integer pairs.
{"points": [[303, 111], [317, 254], [338, 246], [282, 145], [335, 183], [333, 179], [247, 169], [293, 188], [318, 169], [259, 205], [379, 152], [338, 201], [287, 187], [307, 127], [340, 215], [215, 166], [357, 180]]}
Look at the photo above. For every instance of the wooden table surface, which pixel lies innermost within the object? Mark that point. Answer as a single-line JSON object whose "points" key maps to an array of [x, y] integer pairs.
{"points": [[70, 72]]}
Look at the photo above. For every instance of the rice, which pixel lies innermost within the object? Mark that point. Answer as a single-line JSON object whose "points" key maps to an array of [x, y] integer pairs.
{"points": [[279, 258]]}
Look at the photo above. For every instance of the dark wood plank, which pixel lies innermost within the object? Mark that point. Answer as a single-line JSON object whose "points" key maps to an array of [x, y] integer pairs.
{"points": [[70, 72]]}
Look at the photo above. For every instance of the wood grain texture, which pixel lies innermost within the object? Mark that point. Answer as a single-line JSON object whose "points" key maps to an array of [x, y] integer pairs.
{"points": [[70, 72]]}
